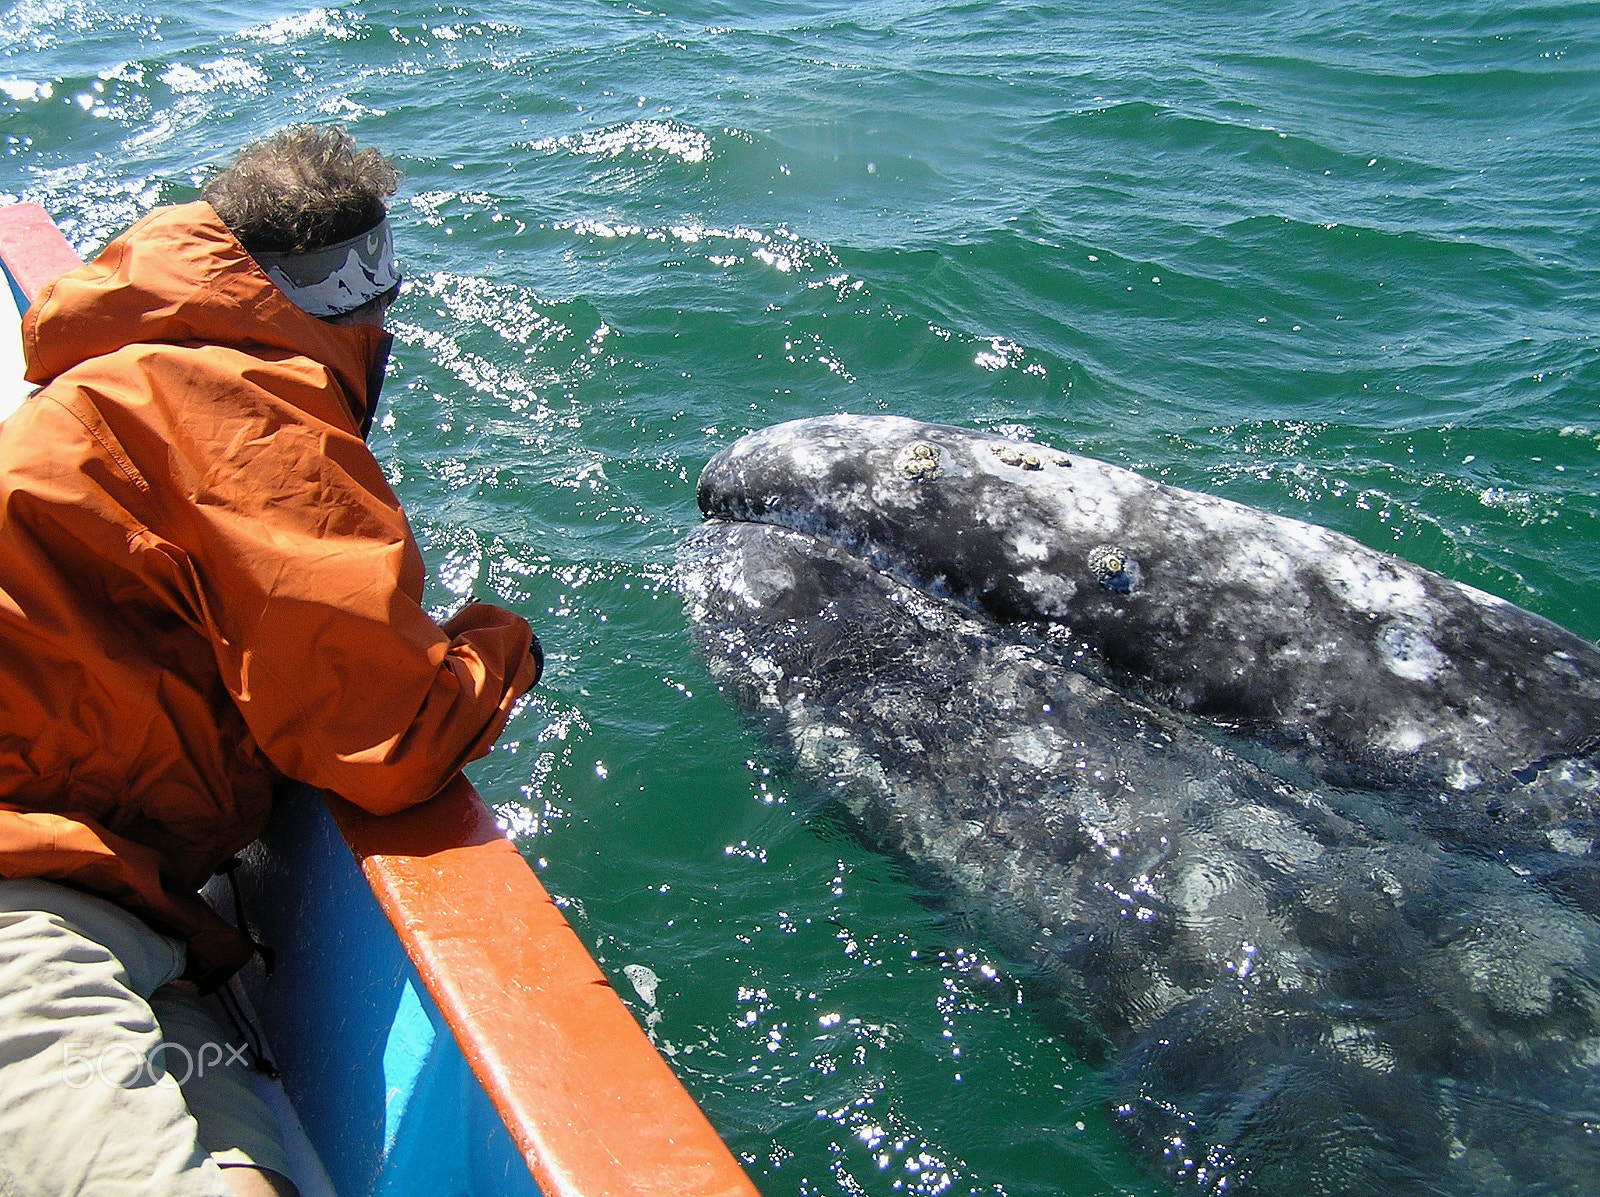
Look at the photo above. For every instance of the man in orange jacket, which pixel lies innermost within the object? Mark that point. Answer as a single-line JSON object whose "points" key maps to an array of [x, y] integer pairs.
{"points": [[206, 585]]}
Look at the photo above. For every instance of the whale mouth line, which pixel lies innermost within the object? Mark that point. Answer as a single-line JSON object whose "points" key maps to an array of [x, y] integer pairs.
{"points": [[1195, 601]]}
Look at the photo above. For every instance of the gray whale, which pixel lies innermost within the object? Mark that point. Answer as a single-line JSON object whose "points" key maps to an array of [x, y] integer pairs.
{"points": [[1032, 679]]}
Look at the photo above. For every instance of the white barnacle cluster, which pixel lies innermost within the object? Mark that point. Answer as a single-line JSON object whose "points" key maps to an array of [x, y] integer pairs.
{"points": [[1106, 561], [918, 461], [1114, 568], [1024, 456], [1016, 455]]}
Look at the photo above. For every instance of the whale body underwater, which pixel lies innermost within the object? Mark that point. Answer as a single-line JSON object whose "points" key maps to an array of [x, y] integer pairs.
{"points": [[1297, 840]]}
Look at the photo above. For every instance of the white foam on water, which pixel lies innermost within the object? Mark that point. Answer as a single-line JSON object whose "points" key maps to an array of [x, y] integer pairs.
{"points": [[667, 139], [644, 982]]}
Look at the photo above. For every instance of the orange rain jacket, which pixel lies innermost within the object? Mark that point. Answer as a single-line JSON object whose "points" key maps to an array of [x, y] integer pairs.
{"points": [[206, 582]]}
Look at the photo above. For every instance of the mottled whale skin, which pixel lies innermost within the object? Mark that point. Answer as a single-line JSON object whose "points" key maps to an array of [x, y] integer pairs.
{"points": [[1297, 987], [1217, 608]]}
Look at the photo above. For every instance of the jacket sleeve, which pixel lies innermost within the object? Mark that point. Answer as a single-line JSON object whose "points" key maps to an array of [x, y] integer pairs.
{"points": [[309, 584]]}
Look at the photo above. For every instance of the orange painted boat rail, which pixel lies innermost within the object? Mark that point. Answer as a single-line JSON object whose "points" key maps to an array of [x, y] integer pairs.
{"points": [[34, 250], [585, 1095]]}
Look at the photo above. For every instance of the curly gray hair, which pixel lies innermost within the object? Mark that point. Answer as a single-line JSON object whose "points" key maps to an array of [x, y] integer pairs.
{"points": [[303, 188]]}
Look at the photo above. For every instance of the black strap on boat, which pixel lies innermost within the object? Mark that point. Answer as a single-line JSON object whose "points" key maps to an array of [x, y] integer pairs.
{"points": [[269, 958], [229, 996], [255, 1043]]}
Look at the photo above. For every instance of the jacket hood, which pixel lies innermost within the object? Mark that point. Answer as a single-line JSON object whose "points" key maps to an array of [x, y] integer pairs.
{"points": [[179, 276]]}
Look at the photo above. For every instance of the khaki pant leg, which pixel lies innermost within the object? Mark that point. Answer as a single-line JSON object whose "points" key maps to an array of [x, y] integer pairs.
{"points": [[235, 1126], [86, 1106]]}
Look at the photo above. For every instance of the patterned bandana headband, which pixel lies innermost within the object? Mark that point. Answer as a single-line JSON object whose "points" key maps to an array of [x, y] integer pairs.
{"points": [[337, 278]]}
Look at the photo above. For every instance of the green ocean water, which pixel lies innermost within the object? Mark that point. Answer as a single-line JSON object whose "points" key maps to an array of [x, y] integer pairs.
{"points": [[1341, 261]]}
